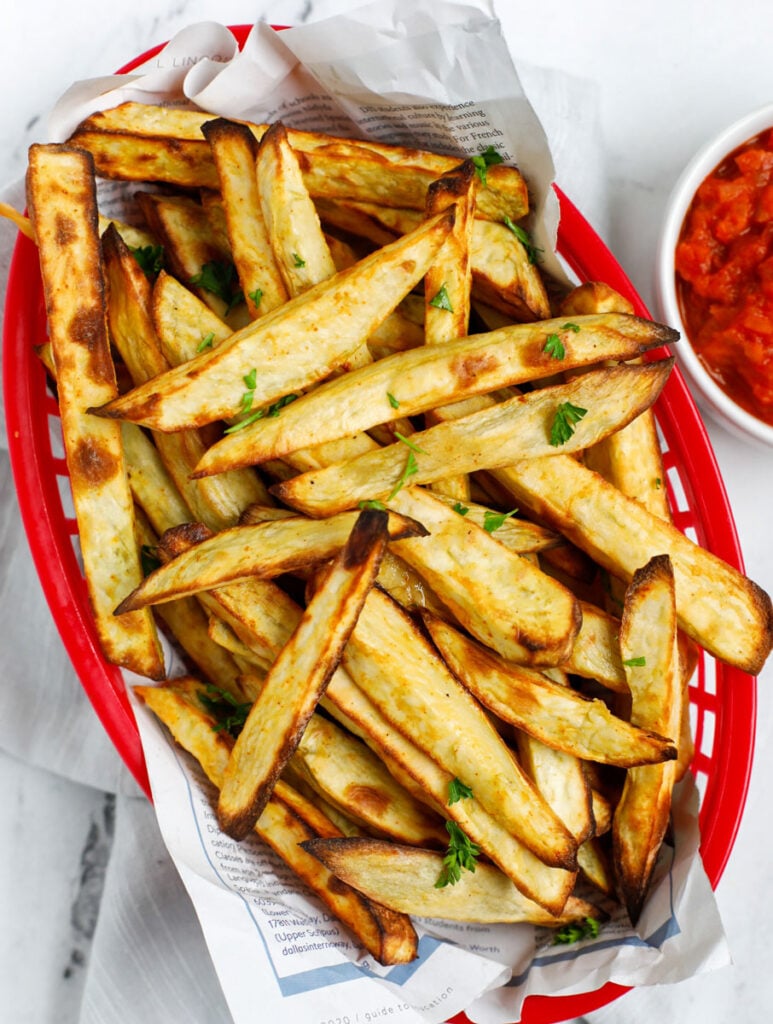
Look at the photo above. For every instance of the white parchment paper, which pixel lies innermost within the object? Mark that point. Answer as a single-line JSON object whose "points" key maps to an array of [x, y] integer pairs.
{"points": [[437, 75]]}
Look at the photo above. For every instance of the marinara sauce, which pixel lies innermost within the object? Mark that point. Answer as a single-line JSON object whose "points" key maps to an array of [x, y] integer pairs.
{"points": [[724, 275]]}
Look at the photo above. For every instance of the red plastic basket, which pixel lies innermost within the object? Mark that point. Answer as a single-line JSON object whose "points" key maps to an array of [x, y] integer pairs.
{"points": [[723, 699]]}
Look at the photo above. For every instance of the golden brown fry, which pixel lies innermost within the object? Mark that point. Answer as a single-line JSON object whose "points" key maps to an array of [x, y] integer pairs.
{"points": [[62, 203], [234, 150], [390, 939], [552, 713], [720, 608], [431, 376], [521, 427], [649, 647], [321, 328], [298, 677], [404, 878], [264, 550]]}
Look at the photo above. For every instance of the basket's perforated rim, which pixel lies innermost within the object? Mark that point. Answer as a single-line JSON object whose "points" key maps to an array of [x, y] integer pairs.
{"points": [[723, 699]]}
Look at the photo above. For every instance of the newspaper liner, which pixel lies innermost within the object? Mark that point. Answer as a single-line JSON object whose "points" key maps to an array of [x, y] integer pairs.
{"points": [[274, 947]]}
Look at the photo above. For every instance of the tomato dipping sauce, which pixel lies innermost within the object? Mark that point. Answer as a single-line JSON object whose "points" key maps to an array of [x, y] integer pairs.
{"points": [[724, 275]]}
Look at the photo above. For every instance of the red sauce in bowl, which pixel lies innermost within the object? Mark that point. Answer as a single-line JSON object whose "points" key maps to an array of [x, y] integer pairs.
{"points": [[724, 275]]}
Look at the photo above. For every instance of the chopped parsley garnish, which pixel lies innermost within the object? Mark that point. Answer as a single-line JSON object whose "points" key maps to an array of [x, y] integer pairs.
{"points": [[373, 504], [493, 520], [206, 342], [461, 855], [568, 933], [570, 327], [484, 160], [150, 259], [230, 713], [460, 508], [441, 300], [256, 296], [411, 469], [298, 261], [639, 662], [409, 443], [273, 410], [658, 482], [149, 560], [532, 251], [457, 790], [554, 347], [250, 379], [392, 400], [220, 278], [563, 424]]}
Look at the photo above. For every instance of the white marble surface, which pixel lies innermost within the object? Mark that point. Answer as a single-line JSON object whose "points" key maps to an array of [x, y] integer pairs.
{"points": [[666, 75]]}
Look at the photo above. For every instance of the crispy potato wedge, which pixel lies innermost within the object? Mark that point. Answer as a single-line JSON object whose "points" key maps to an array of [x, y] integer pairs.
{"points": [[298, 677], [650, 650], [390, 939], [553, 714], [720, 608], [399, 670], [502, 599], [596, 652], [404, 877], [320, 329], [521, 427], [264, 550], [234, 150], [62, 203], [435, 375], [220, 502], [561, 779], [141, 142], [347, 773]]}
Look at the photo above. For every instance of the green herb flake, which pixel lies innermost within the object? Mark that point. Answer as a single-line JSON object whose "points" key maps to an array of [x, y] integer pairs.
{"points": [[298, 261], [554, 347], [460, 856], [256, 296], [392, 400], [578, 930], [484, 160], [658, 483], [206, 342], [571, 327], [230, 714], [150, 259], [457, 790], [372, 504], [532, 251], [493, 520], [563, 424], [441, 300], [639, 662], [276, 407], [220, 278], [460, 508], [411, 469], [406, 441]]}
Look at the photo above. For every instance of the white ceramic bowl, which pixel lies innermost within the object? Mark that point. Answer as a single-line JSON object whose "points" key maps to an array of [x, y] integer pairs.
{"points": [[709, 396]]}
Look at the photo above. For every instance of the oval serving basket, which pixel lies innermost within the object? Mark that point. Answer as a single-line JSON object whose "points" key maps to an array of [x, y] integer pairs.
{"points": [[723, 699]]}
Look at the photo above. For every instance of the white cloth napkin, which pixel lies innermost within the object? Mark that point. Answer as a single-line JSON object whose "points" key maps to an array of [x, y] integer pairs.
{"points": [[148, 963]]}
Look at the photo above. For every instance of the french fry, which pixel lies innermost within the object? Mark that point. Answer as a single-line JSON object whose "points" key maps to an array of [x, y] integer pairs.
{"points": [[298, 678], [62, 202], [234, 150], [390, 939], [432, 376], [649, 646], [553, 714], [403, 878], [521, 427], [321, 328], [721, 609], [141, 142], [264, 550], [392, 662]]}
